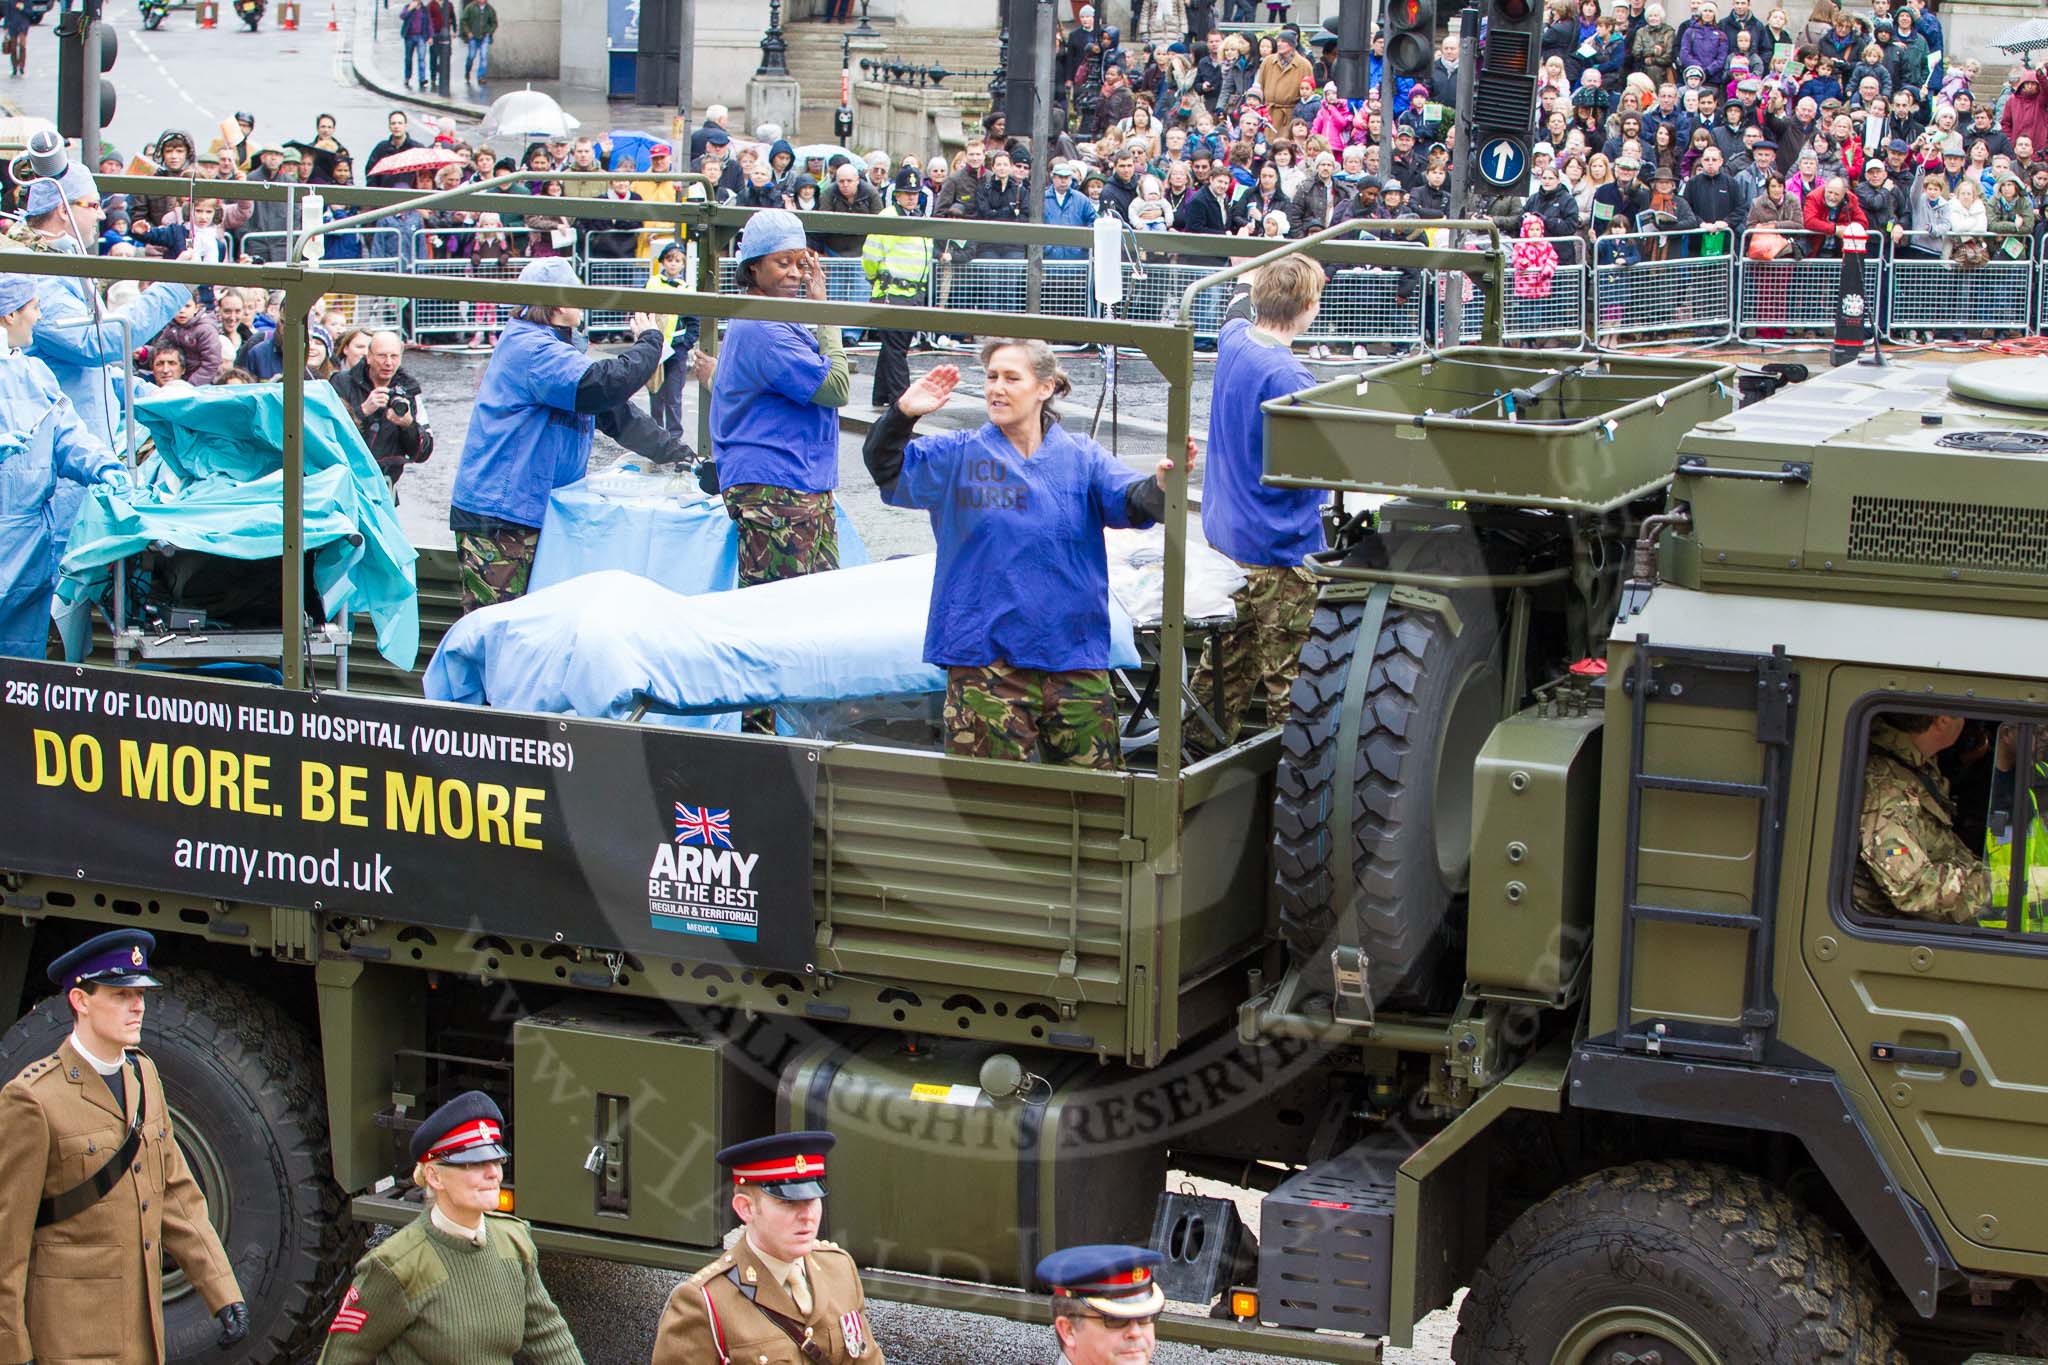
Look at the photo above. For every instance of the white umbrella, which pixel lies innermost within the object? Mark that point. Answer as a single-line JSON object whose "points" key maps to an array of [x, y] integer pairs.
{"points": [[524, 115], [2027, 36]]}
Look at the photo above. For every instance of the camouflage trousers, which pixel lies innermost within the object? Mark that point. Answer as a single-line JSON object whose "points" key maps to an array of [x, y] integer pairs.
{"points": [[1274, 608], [495, 564], [1030, 715], [783, 533]]}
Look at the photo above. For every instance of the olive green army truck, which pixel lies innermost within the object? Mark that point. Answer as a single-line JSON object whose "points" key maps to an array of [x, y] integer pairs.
{"points": [[1534, 951]]}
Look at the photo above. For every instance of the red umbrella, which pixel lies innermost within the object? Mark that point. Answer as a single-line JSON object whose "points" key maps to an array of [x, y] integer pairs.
{"points": [[415, 159]]}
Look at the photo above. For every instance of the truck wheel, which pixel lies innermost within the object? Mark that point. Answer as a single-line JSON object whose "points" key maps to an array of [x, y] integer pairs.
{"points": [[1680, 1262], [1431, 700], [244, 1086]]}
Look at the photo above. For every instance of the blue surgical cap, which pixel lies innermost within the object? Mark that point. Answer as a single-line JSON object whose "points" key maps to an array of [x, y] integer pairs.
{"points": [[15, 292], [549, 270], [770, 231], [75, 183]]}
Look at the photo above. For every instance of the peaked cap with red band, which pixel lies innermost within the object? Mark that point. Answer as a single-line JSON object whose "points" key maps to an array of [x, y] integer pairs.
{"points": [[466, 1130], [787, 1165], [1115, 1281]]}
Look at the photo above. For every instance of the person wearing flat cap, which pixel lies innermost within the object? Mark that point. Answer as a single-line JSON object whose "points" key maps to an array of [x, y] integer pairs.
{"points": [[461, 1282], [94, 1190], [541, 400], [1105, 1302], [780, 1295]]}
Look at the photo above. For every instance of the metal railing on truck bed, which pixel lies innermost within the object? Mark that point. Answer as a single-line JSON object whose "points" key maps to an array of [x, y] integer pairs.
{"points": [[1110, 915]]}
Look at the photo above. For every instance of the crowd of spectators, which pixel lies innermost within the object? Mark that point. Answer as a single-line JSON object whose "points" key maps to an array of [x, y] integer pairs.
{"points": [[1721, 133]]}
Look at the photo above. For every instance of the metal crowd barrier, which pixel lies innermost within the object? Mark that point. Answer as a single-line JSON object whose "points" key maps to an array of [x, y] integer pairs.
{"points": [[1778, 300], [1925, 295], [451, 252], [1673, 294], [1533, 309], [1669, 292], [620, 272]]}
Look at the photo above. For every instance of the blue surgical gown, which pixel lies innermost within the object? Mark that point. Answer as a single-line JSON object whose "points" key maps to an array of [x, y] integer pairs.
{"points": [[41, 437]]}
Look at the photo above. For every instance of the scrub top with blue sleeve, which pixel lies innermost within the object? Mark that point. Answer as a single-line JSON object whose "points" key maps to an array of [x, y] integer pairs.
{"points": [[764, 425], [525, 437], [1244, 518], [1022, 575]]}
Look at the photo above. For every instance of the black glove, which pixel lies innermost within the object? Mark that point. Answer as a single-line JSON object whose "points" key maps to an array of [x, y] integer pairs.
{"points": [[234, 1322], [707, 476]]}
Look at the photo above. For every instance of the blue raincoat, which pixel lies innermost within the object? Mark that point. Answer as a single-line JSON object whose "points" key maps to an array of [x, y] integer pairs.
{"points": [[43, 437]]}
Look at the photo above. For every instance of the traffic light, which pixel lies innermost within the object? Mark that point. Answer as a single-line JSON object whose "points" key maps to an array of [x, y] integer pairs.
{"points": [[1411, 37], [86, 49], [1503, 113]]}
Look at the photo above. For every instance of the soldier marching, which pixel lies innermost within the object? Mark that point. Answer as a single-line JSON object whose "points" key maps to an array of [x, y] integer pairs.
{"points": [[780, 1294], [94, 1189]]}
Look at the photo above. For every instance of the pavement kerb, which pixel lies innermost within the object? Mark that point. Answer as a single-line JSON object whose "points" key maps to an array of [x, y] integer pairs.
{"points": [[363, 62]]}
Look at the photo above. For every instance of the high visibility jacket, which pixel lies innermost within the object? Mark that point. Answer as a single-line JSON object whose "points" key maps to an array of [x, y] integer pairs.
{"points": [[896, 267], [1998, 861]]}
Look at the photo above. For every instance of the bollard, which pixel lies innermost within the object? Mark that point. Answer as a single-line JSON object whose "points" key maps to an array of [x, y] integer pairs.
{"points": [[209, 13], [1852, 307], [288, 15], [333, 24]]}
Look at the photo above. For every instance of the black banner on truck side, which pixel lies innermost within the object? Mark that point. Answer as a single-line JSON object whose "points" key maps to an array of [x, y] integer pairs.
{"points": [[592, 833]]}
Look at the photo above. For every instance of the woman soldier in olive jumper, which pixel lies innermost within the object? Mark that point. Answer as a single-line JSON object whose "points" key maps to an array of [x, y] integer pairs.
{"points": [[462, 1281]]}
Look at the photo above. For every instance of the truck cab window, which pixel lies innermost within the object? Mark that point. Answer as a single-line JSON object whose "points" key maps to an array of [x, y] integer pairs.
{"points": [[1947, 821]]}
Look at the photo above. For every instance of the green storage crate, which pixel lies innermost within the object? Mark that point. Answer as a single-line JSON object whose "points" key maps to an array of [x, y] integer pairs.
{"points": [[1603, 435], [652, 1100]]}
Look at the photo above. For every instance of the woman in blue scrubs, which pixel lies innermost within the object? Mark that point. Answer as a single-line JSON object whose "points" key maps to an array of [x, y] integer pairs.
{"points": [[774, 412], [41, 438], [1020, 600]]}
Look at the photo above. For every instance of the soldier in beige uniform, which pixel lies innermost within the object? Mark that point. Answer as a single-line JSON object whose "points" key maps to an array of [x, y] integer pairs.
{"points": [[93, 1187], [780, 1296]]}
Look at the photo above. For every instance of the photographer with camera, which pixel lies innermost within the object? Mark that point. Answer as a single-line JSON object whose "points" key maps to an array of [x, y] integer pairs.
{"points": [[385, 402]]}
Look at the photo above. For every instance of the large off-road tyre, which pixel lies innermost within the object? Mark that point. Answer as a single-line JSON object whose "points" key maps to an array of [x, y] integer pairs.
{"points": [[1431, 700], [1681, 1262], [244, 1086]]}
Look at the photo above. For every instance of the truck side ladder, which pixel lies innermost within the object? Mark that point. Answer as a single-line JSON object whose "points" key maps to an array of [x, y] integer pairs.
{"points": [[1725, 680]]}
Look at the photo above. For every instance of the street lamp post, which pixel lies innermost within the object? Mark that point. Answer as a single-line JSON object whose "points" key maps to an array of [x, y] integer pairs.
{"points": [[998, 84], [774, 51], [864, 29]]}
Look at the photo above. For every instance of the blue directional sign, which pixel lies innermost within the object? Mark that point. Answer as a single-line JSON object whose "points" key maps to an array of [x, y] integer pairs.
{"points": [[1503, 161]]}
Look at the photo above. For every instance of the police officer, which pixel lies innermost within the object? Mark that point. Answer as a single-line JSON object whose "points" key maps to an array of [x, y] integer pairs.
{"points": [[93, 1185], [461, 1281], [780, 1295], [897, 269], [1105, 1303], [1911, 860]]}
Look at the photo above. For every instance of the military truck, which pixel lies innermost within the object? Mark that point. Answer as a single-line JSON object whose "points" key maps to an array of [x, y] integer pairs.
{"points": [[1525, 954]]}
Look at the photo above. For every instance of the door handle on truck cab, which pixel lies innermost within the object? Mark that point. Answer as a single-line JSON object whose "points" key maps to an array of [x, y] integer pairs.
{"points": [[1915, 1056]]}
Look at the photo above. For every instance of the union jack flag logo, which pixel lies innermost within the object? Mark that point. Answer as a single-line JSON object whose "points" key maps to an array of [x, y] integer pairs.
{"points": [[703, 826]]}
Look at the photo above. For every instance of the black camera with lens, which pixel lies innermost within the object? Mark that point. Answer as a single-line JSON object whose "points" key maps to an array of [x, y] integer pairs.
{"points": [[398, 405]]}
